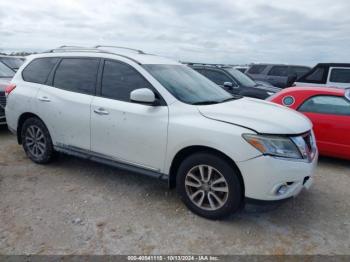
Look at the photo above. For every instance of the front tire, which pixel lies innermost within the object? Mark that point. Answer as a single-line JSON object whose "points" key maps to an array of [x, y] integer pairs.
{"points": [[209, 186], [36, 141]]}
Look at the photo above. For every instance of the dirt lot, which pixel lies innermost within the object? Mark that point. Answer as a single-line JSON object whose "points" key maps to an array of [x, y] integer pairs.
{"points": [[74, 206]]}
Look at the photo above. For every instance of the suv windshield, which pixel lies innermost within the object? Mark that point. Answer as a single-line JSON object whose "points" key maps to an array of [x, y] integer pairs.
{"points": [[5, 71], [187, 85], [242, 78]]}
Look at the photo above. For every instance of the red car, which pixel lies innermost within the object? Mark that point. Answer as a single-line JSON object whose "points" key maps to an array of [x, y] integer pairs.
{"points": [[329, 111]]}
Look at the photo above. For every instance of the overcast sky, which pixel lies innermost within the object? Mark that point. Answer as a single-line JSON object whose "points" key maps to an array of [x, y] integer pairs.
{"points": [[224, 31]]}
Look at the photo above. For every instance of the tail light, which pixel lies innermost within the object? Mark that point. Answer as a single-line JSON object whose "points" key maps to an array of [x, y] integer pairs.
{"points": [[9, 89]]}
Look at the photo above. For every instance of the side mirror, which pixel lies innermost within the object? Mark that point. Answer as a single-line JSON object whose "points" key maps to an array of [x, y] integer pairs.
{"points": [[143, 96], [228, 84]]}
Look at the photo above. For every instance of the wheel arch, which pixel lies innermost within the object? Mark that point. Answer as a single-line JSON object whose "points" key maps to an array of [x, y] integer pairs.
{"points": [[20, 123], [187, 151]]}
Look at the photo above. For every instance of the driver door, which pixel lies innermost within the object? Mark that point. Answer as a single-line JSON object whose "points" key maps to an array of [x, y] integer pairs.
{"points": [[125, 131]]}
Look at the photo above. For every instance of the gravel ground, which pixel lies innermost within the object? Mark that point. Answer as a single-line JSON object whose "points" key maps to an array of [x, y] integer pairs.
{"points": [[74, 206]]}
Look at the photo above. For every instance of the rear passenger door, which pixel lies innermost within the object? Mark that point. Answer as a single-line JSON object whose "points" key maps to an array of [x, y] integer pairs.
{"points": [[65, 101], [124, 131], [278, 76]]}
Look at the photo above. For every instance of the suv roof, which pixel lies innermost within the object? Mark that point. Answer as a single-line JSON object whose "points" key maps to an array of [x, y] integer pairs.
{"points": [[272, 64], [134, 55], [334, 64]]}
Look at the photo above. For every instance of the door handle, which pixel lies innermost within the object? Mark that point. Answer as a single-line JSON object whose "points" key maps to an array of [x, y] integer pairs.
{"points": [[101, 111], [44, 99]]}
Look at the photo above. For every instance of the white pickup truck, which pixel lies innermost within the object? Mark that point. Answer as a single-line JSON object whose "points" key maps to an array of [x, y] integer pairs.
{"points": [[327, 74]]}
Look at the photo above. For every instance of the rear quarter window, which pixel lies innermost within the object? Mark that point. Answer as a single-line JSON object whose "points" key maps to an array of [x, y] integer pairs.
{"points": [[39, 69]]}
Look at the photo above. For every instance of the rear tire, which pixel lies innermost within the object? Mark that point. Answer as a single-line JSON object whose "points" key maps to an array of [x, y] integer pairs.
{"points": [[36, 141], [209, 186]]}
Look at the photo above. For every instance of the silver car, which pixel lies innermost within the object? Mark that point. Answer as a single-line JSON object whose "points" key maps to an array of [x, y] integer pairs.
{"points": [[277, 74], [13, 62]]}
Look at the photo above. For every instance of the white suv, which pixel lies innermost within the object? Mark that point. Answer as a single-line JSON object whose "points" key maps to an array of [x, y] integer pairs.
{"points": [[160, 118]]}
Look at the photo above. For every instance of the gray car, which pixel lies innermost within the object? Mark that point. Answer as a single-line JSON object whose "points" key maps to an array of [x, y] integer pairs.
{"points": [[6, 75], [13, 62], [277, 74]]}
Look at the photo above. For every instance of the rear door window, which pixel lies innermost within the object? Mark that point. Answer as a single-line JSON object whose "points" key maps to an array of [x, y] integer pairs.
{"points": [[39, 69], [77, 75], [333, 105], [279, 71], [340, 75], [256, 69]]}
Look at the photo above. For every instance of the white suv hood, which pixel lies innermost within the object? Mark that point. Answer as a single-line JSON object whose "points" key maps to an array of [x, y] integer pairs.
{"points": [[261, 116]]}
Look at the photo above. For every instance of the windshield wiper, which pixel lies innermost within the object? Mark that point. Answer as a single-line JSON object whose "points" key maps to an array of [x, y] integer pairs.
{"points": [[234, 97], [206, 102]]}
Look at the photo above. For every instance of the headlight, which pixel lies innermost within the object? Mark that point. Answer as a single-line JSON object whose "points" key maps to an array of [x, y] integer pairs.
{"points": [[274, 145]]}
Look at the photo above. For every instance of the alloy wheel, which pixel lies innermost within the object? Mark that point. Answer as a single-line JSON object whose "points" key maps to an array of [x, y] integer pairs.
{"points": [[35, 141], [206, 187]]}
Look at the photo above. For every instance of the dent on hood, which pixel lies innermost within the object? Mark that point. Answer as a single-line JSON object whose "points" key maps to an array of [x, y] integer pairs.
{"points": [[259, 116]]}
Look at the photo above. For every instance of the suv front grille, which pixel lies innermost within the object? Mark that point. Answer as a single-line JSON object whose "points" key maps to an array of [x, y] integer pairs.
{"points": [[2, 103]]}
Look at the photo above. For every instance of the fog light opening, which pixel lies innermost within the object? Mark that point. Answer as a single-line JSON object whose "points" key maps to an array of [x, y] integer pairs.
{"points": [[282, 190]]}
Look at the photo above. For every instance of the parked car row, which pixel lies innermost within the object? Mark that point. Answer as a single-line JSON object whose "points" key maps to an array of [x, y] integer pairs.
{"points": [[161, 118], [234, 81], [277, 74], [323, 74]]}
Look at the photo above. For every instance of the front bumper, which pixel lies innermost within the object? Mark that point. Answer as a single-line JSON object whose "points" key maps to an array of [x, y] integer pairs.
{"points": [[264, 176]]}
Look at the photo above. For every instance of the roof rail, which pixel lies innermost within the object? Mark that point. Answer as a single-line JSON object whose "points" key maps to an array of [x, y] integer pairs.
{"points": [[66, 48], [120, 47], [206, 64], [69, 48]]}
